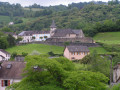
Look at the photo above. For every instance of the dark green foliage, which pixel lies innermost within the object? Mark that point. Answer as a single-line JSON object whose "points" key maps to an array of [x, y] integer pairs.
{"points": [[58, 74], [24, 54], [51, 53], [85, 80], [99, 63], [14, 54], [11, 40], [3, 43]]}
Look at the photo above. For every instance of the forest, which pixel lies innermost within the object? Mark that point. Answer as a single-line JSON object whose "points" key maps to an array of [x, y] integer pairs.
{"points": [[90, 17]]}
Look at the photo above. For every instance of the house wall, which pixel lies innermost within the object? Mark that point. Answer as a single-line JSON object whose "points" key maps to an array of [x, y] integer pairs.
{"points": [[11, 82], [70, 55], [37, 37], [7, 56], [77, 56], [71, 36], [66, 53], [26, 39]]}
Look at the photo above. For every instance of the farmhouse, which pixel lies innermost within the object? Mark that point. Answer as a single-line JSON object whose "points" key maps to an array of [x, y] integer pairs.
{"points": [[4, 55], [116, 73], [76, 52], [10, 72], [30, 36]]}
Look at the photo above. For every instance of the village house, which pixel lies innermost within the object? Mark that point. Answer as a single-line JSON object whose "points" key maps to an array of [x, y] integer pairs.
{"points": [[116, 73], [30, 36], [76, 52], [26, 36], [41, 35], [64, 33], [67, 35], [4, 55], [10, 72]]}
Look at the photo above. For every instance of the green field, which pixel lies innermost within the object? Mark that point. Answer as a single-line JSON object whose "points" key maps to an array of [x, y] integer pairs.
{"points": [[29, 48], [4, 19], [99, 50], [108, 37]]}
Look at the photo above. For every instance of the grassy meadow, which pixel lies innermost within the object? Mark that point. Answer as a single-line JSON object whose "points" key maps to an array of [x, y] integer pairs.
{"points": [[99, 50], [108, 37], [41, 48]]}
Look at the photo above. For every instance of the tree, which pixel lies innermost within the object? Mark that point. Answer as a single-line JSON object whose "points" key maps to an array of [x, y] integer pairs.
{"points": [[11, 40], [45, 37], [4, 43], [19, 39], [57, 73], [41, 38], [86, 80]]}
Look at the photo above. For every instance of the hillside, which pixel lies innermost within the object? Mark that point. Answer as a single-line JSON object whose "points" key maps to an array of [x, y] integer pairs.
{"points": [[74, 18], [108, 37]]}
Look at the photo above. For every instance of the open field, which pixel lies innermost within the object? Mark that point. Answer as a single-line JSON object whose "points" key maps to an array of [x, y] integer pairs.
{"points": [[108, 37], [44, 49], [99, 50], [29, 48]]}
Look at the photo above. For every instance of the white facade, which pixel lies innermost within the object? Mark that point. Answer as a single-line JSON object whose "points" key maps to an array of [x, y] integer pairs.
{"points": [[5, 55], [11, 82], [41, 37], [26, 39]]}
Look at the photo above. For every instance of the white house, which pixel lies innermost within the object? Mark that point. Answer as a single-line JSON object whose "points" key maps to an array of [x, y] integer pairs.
{"points": [[26, 36], [30, 36], [41, 35], [4, 55], [10, 72], [11, 23]]}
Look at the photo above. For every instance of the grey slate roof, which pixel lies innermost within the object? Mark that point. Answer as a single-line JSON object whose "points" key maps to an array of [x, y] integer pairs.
{"points": [[78, 48], [30, 33], [15, 72], [64, 32], [4, 51], [53, 25], [26, 33]]}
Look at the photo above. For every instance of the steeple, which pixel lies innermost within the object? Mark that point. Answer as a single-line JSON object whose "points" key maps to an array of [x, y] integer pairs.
{"points": [[53, 25]]}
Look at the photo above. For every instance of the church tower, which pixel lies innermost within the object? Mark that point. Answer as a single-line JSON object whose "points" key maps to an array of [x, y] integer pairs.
{"points": [[53, 27]]}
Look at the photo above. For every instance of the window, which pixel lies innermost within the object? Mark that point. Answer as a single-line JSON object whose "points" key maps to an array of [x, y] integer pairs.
{"points": [[72, 58], [73, 53], [5, 83]]}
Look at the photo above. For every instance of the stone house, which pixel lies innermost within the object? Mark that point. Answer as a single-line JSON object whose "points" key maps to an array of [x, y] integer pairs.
{"points": [[76, 52], [64, 33], [10, 72], [67, 35], [116, 73], [4, 55]]}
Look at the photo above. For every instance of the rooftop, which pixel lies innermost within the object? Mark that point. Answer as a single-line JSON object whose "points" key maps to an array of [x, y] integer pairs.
{"points": [[78, 48], [12, 70]]}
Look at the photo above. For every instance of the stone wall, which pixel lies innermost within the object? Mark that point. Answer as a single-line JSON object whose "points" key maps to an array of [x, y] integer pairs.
{"points": [[82, 40], [71, 43]]}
